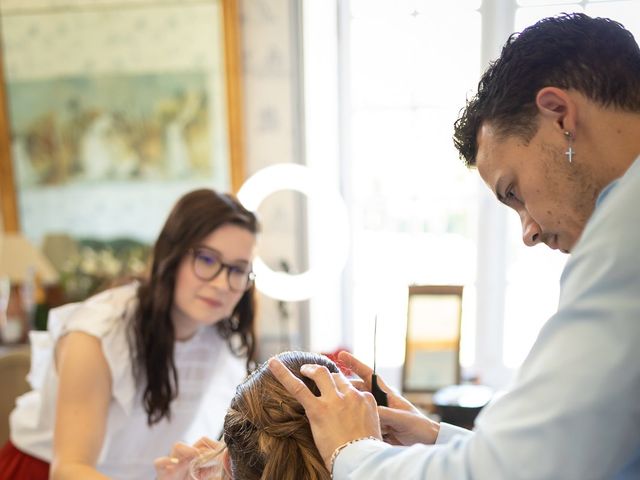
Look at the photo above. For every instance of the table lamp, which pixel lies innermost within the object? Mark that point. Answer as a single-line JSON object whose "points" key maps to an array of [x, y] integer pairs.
{"points": [[21, 266]]}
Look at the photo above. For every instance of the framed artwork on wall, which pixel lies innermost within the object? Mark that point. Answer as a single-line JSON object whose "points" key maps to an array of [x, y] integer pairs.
{"points": [[433, 338], [113, 109], [110, 110]]}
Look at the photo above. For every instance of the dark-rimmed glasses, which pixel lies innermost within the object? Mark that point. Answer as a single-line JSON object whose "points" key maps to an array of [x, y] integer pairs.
{"points": [[207, 265]]}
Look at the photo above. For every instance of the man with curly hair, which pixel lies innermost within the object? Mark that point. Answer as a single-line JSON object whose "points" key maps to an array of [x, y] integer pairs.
{"points": [[554, 131]]}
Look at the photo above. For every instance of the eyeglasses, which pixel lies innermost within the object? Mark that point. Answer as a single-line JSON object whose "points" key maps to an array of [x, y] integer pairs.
{"points": [[207, 265]]}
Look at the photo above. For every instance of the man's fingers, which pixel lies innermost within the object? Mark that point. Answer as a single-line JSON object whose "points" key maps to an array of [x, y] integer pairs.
{"points": [[386, 414], [322, 378], [291, 383], [342, 383], [394, 416], [385, 387], [359, 368], [359, 384], [362, 370]]}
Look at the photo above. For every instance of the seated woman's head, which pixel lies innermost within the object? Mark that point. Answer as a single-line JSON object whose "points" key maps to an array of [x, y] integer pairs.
{"points": [[266, 431]]}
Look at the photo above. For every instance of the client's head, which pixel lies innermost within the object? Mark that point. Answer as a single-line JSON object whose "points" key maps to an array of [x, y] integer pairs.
{"points": [[266, 431]]}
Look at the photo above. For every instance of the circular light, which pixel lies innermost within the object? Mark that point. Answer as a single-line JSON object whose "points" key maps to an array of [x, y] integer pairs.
{"points": [[327, 214]]}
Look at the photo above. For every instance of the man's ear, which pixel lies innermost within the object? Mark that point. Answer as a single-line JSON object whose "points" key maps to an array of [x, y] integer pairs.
{"points": [[556, 104]]}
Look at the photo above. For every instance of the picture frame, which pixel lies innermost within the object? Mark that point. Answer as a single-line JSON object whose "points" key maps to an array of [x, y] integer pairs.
{"points": [[24, 208], [432, 354]]}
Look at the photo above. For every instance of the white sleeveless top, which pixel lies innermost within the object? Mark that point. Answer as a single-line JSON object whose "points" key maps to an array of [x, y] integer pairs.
{"points": [[208, 374]]}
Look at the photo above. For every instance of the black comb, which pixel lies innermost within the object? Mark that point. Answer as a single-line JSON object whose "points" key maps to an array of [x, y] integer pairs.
{"points": [[378, 393]]}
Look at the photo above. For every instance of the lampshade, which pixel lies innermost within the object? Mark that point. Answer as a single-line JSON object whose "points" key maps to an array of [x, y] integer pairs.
{"points": [[18, 256]]}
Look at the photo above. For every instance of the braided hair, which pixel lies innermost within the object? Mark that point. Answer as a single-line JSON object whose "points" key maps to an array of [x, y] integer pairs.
{"points": [[266, 430]]}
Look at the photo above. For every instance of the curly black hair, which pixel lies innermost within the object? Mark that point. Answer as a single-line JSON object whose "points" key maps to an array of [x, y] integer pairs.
{"points": [[597, 57]]}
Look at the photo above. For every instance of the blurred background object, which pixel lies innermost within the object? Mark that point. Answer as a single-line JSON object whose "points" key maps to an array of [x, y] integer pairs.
{"points": [[460, 404], [88, 265], [25, 272], [14, 366]]}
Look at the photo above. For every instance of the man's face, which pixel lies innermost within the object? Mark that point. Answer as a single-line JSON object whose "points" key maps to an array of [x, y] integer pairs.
{"points": [[554, 198]]}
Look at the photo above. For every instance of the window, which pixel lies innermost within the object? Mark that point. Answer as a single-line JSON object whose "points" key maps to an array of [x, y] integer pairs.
{"points": [[413, 202], [418, 215]]}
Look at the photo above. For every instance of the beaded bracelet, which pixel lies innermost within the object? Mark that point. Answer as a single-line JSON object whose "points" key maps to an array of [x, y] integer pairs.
{"points": [[337, 451]]}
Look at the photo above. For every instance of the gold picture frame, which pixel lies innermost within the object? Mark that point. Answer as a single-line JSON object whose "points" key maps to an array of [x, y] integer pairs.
{"points": [[432, 355], [233, 106]]}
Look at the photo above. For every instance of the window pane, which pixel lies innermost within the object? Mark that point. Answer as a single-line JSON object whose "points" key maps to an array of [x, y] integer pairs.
{"points": [[529, 16], [627, 13], [414, 202], [401, 61], [528, 3], [380, 58], [386, 9], [383, 9], [443, 72]]}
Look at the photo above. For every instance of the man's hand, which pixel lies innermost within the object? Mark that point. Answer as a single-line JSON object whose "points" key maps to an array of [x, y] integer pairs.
{"points": [[176, 465], [401, 427], [401, 423], [340, 414]]}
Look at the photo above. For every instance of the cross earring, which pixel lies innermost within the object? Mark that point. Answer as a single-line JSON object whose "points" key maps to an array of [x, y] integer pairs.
{"points": [[569, 153]]}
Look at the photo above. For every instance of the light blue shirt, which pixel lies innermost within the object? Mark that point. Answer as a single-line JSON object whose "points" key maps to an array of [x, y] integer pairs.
{"points": [[574, 410]]}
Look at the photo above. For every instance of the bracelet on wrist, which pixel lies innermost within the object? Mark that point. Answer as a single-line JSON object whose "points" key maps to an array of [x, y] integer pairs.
{"points": [[337, 451]]}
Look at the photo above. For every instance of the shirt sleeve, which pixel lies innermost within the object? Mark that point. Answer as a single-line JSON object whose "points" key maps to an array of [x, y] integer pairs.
{"points": [[370, 459], [573, 412], [105, 316], [447, 432]]}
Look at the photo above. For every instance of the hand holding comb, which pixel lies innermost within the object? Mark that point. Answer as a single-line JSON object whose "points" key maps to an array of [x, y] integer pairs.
{"points": [[378, 393]]}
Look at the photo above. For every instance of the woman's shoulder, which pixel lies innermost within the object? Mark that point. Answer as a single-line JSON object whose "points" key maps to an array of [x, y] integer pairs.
{"points": [[115, 296], [107, 316], [96, 315], [100, 316]]}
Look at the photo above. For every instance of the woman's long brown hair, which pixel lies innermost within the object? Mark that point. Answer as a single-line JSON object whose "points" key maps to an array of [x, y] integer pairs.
{"points": [[195, 216]]}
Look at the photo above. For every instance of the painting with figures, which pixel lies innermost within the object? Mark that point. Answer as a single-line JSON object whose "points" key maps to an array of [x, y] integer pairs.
{"points": [[115, 110], [122, 127]]}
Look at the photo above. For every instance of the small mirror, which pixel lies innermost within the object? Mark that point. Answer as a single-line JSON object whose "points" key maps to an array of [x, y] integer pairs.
{"points": [[433, 338]]}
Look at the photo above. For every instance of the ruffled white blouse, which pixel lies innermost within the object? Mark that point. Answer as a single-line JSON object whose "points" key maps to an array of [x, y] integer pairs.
{"points": [[208, 374]]}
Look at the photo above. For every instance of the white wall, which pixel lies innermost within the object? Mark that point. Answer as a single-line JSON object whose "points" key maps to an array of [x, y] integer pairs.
{"points": [[274, 134]]}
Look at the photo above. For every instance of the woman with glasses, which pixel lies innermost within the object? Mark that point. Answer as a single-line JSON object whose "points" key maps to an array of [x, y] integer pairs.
{"points": [[124, 374]]}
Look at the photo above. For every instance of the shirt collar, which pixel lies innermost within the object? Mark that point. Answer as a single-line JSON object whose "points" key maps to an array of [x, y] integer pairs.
{"points": [[606, 190]]}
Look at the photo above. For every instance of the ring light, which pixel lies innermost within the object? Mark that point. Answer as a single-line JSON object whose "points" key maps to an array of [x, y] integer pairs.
{"points": [[327, 214]]}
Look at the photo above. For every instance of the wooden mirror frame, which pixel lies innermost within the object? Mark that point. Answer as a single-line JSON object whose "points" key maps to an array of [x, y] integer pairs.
{"points": [[10, 220], [434, 291]]}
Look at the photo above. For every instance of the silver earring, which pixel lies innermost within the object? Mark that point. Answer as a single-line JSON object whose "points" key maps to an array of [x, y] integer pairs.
{"points": [[570, 152]]}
